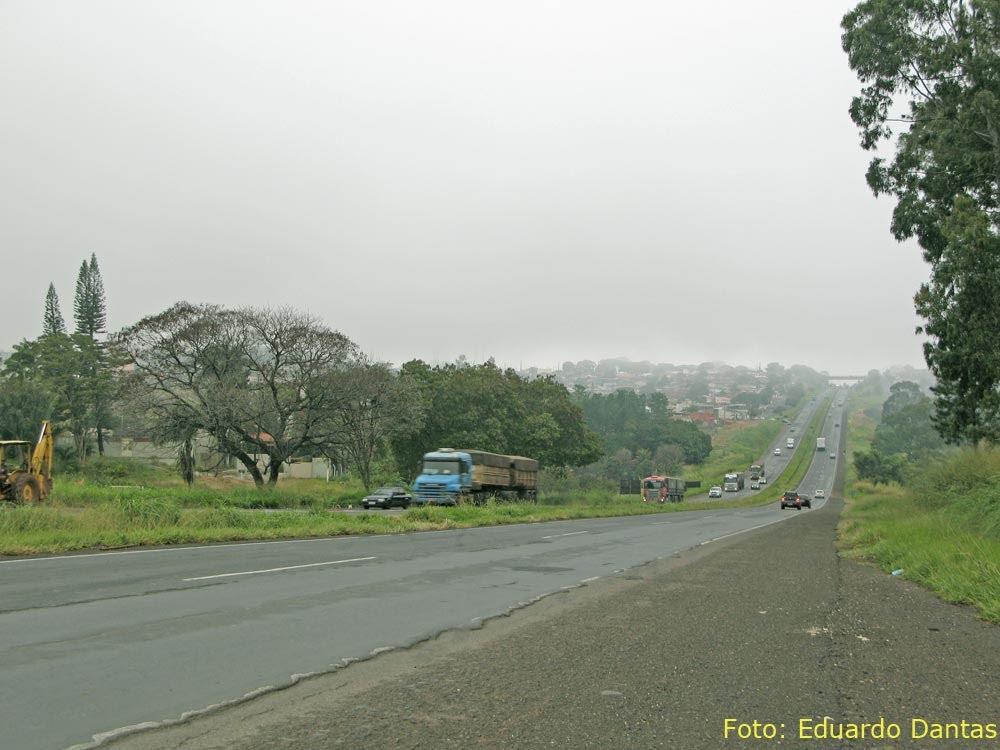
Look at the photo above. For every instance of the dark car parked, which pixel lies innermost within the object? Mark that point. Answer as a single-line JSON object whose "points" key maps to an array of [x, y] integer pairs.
{"points": [[795, 500], [386, 497]]}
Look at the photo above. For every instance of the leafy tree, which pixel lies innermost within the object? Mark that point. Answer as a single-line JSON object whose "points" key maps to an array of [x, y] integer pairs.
{"points": [[878, 468], [961, 305], [907, 427], [23, 406], [258, 381], [70, 368], [936, 62], [89, 304], [669, 458], [374, 405], [633, 421], [52, 321], [486, 408], [902, 394]]}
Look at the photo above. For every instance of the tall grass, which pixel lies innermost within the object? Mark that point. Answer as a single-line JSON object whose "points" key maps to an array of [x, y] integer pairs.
{"points": [[942, 529]]}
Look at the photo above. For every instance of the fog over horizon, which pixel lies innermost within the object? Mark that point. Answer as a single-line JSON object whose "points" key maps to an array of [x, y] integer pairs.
{"points": [[533, 182]]}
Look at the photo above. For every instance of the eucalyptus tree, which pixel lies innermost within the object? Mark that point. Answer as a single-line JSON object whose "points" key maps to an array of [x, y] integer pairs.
{"points": [[257, 380], [930, 71]]}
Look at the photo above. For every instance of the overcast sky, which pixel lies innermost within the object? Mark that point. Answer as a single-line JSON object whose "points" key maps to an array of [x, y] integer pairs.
{"points": [[536, 181]]}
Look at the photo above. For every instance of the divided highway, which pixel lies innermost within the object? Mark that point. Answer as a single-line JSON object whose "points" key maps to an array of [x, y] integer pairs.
{"points": [[94, 643]]}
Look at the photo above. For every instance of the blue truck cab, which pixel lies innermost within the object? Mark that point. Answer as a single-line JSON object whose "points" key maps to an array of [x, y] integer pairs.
{"points": [[445, 476]]}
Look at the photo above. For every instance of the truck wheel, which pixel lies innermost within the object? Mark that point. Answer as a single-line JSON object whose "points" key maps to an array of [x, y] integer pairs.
{"points": [[26, 489]]}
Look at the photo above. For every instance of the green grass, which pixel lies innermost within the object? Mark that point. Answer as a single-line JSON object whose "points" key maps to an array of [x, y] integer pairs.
{"points": [[132, 520], [735, 448], [110, 506], [942, 531]]}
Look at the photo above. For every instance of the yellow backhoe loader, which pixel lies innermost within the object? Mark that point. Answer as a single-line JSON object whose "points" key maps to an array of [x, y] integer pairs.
{"points": [[26, 469]]}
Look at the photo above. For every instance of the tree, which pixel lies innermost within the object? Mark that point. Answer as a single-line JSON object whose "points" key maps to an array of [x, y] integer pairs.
{"points": [[375, 405], [52, 321], [23, 406], [669, 458], [902, 394], [878, 468], [486, 408], [70, 367], [941, 57], [907, 427], [258, 381], [89, 304]]}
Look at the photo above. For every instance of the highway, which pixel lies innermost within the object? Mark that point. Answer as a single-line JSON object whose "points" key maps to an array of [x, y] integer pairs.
{"points": [[94, 644]]}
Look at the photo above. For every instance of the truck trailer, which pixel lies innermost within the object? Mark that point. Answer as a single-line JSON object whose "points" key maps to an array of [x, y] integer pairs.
{"points": [[821, 444], [450, 476]]}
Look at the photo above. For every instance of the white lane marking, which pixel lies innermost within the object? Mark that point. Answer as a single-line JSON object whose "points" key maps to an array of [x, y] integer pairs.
{"points": [[590, 580], [222, 545], [275, 570], [571, 533]]}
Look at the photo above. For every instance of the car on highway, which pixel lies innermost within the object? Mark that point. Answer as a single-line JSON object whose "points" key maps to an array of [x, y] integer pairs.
{"points": [[387, 497], [763, 480], [794, 500], [819, 494], [755, 485], [715, 492], [777, 451], [833, 455]]}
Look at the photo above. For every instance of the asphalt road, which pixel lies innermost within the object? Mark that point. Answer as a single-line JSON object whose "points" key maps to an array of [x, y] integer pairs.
{"points": [[769, 627], [774, 465], [91, 644]]}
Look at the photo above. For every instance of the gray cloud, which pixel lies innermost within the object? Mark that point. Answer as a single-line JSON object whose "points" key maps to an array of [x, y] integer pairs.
{"points": [[531, 181]]}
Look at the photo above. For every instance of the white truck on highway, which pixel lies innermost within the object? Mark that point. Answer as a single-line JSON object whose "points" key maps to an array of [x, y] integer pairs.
{"points": [[821, 444]]}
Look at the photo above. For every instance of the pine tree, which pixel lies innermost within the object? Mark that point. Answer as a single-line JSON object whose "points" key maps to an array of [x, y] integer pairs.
{"points": [[97, 299], [52, 322], [89, 305], [81, 301]]}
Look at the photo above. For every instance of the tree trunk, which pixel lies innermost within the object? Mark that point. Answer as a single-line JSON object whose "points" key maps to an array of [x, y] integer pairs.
{"points": [[100, 439], [273, 468], [186, 461], [251, 466]]}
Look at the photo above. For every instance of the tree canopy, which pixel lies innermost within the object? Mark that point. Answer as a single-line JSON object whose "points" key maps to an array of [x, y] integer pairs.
{"points": [[634, 421], [258, 381], [930, 70], [489, 409]]}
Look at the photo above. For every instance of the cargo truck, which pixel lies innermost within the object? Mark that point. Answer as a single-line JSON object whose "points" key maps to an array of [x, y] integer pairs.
{"points": [[450, 476], [821, 444], [660, 489], [733, 481]]}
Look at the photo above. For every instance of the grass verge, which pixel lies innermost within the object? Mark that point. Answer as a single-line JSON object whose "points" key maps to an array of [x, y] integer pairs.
{"points": [[942, 531]]}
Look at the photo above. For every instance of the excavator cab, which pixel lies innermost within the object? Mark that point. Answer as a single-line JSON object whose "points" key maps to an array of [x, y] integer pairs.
{"points": [[26, 469]]}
